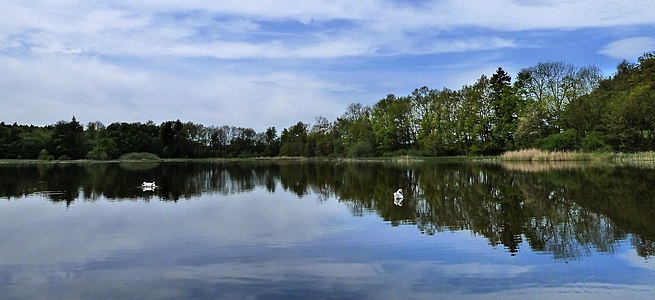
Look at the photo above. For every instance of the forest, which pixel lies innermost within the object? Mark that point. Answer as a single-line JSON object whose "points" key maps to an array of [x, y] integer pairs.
{"points": [[552, 106]]}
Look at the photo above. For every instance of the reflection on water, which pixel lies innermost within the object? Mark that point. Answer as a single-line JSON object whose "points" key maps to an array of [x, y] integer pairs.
{"points": [[240, 225], [564, 211], [148, 188]]}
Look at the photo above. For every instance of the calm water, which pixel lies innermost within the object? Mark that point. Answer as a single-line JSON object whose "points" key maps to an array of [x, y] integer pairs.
{"points": [[326, 230]]}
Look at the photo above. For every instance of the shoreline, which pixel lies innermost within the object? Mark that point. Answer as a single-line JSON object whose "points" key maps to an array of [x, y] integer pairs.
{"points": [[528, 155]]}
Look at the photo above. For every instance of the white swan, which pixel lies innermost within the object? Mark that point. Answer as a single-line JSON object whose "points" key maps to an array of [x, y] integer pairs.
{"points": [[148, 184], [398, 194]]}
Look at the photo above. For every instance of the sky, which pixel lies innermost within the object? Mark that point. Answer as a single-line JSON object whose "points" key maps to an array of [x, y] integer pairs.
{"points": [[266, 63]]}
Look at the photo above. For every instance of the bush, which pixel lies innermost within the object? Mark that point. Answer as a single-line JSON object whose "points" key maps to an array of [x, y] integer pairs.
{"points": [[565, 140], [64, 157], [406, 152], [361, 149], [45, 155], [594, 142], [97, 154], [139, 156]]}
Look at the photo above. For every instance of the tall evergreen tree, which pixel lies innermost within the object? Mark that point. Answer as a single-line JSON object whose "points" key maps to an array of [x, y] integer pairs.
{"points": [[505, 107], [68, 140], [272, 142]]}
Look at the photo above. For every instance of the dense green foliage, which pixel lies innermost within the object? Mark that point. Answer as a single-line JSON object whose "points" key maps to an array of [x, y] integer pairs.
{"points": [[171, 139], [550, 106]]}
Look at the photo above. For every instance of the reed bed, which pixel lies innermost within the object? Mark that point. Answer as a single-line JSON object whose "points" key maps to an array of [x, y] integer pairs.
{"points": [[631, 157], [639, 159], [540, 155]]}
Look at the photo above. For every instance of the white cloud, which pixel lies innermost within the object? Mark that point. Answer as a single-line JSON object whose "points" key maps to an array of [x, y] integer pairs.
{"points": [[304, 11], [473, 44], [508, 15], [132, 28], [46, 89], [520, 15], [216, 55], [262, 100], [629, 48]]}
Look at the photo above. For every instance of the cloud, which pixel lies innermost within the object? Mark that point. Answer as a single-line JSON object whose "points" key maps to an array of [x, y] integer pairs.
{"points": [[76, 56], [473, 44], [236, 30], [508, 15], [519, 14], [277, 99], [629, 48], [47, 88]]}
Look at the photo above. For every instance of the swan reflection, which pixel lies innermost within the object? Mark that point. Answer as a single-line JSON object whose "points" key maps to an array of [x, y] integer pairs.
{"points": [[148, 186], [398, 197]]}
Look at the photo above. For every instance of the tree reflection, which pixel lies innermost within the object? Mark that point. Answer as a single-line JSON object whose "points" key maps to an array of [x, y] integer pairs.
{"points": [[568, 212]]}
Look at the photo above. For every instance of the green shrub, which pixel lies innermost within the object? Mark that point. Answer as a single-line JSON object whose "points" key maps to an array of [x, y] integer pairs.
{"points": [[594, 142], [406, 152], [361, 149], [565, 140], [45, 155], [139, 156], [97, 154]]}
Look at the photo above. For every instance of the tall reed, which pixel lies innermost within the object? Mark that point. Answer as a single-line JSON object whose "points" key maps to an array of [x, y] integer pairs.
{"points": [[540, 155]]}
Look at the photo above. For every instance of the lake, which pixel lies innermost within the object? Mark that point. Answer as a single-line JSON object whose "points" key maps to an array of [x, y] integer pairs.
{"points": [[291, 229]]}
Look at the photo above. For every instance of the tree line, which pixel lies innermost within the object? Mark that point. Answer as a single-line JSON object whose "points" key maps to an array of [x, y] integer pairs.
{"points": [[550, 106], [170, 139]]}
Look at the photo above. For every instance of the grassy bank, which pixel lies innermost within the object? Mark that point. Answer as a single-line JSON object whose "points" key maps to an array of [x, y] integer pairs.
{"points": [[539, 155], [553, 156], [526, 155]]}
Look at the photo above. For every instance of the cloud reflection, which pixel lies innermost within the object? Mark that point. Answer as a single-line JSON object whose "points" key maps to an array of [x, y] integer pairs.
{"points": [[280, 243], [208, 247]]}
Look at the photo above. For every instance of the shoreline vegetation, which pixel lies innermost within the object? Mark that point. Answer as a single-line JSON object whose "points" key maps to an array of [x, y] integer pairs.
{"points": [[537, 155], [522, 161], [524, 155]]}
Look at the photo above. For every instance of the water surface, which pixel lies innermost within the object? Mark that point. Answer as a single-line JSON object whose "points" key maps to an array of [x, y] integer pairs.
{"points": [[326, 230]]}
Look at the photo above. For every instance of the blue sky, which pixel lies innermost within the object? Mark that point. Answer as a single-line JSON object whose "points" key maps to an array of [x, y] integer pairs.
{"points": [[273, 63]]}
